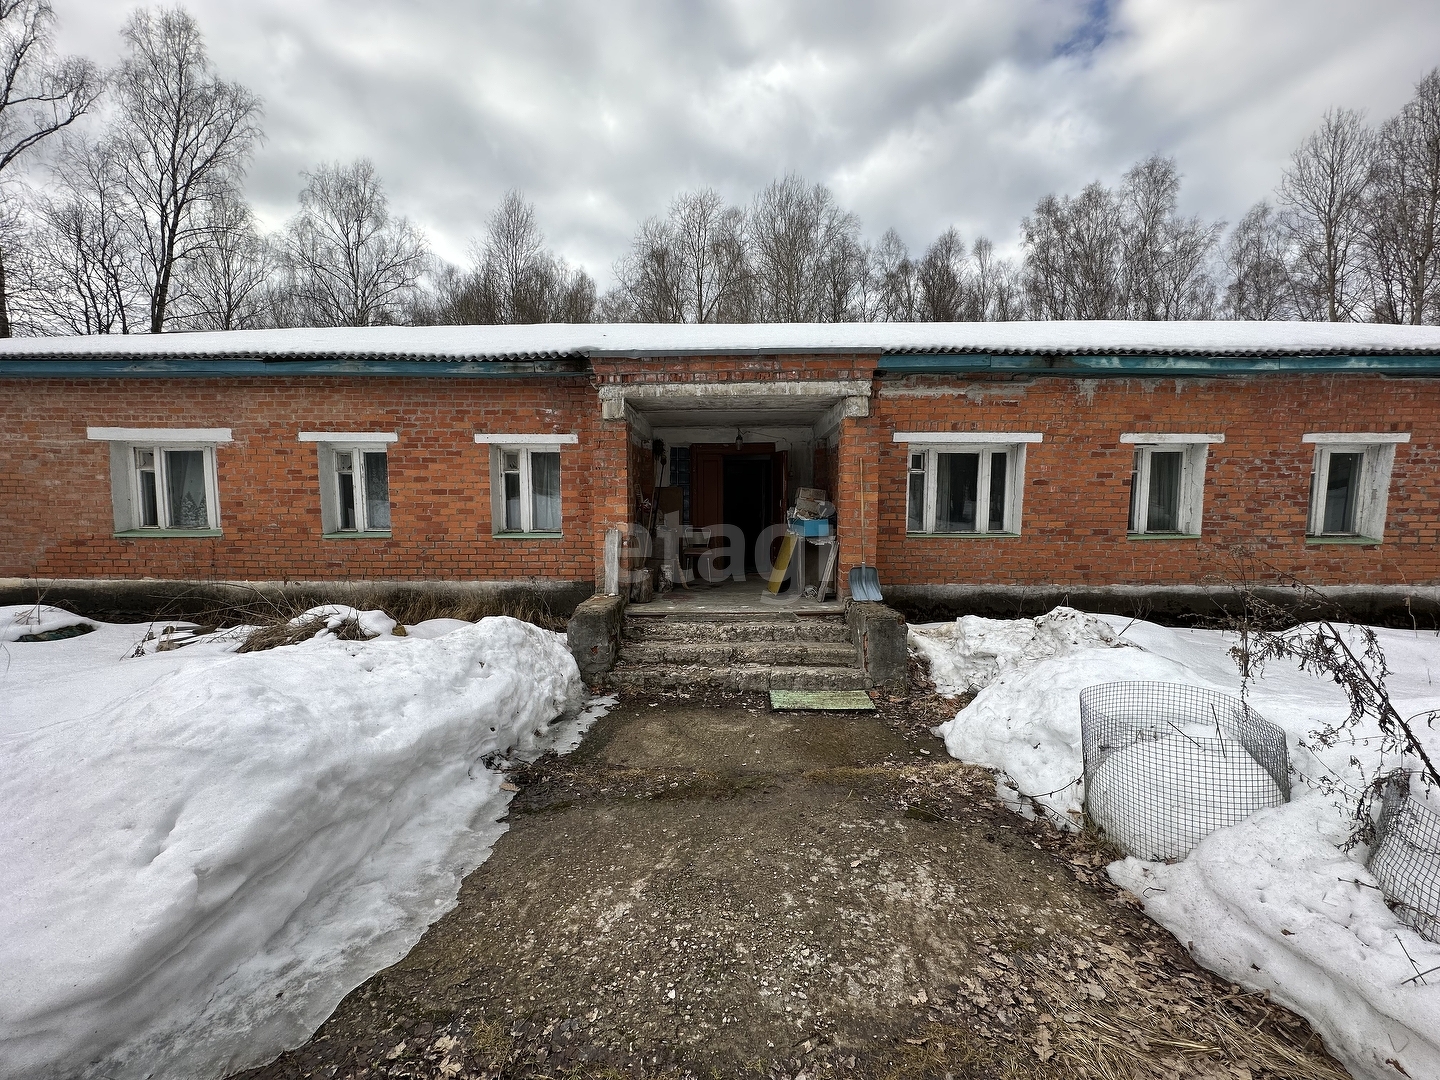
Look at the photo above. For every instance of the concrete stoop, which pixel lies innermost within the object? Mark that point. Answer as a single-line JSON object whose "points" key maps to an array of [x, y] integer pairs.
{"points": [[741, 652]]}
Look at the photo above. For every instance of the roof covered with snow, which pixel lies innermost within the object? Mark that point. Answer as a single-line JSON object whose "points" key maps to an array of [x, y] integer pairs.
{"points": [[570, 341]]}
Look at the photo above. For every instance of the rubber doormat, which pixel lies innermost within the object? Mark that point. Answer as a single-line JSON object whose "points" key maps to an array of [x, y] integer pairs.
{"points": [[821, 701]]}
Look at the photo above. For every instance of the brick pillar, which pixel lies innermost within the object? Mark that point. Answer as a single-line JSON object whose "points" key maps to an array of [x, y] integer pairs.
{"points": [[613, 496], [857, 456]]}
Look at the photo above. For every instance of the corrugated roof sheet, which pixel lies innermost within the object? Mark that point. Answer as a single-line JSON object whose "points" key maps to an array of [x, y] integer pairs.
{"points": [[562, 341]]}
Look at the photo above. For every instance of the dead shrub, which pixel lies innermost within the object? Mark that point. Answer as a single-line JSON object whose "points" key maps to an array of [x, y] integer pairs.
{"points": [[284, 622]]}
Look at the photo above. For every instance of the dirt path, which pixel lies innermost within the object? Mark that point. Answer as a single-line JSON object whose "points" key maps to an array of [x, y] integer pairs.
{"points": [[717, 890]]}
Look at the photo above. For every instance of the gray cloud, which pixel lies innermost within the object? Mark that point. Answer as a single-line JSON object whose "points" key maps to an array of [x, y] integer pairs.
{"points": [[918, 114]]}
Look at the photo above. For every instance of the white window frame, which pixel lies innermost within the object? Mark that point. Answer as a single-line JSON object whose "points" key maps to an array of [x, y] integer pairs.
{"points": [[125, 474], [1191, 511], [931, 444], [524, 445], [1377, 450], [330, 488]]}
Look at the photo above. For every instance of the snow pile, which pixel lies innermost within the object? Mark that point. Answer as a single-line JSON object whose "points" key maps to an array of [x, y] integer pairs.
{"points": [[27, 619], [373, 623], [1159, 797], [205, 851], [1272, 902], [967, 654]]}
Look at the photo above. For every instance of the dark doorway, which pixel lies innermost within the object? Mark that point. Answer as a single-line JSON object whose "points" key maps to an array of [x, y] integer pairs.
{"points": [[747, 498]]}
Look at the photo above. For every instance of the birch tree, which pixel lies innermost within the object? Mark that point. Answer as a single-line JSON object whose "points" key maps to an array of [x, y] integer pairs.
{"points": [[224, 286], [84, 252], [1324, 190], [1402, 212], [519, 279], [896, 280], [1258, 283], [40, 94], [801, 243], [183, 137], [348, 261]]}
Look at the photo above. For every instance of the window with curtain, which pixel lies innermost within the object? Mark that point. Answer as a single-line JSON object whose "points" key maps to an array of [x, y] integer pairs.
{"points": [[171, 488], [1167, 484], [355, 489], [527, 489], [962, 491]]}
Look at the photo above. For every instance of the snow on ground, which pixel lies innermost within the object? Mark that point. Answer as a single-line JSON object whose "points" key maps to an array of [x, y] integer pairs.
{"points": [[1274, 902], [203, 851]]}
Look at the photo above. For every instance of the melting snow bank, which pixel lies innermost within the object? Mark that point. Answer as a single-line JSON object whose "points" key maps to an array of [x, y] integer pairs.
{"points": [[204, 852], [1274, 902]]}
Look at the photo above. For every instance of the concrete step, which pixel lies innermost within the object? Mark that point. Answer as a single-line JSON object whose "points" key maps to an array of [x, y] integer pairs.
{"points": [[672, 652], [746, 628], [737, 677]]}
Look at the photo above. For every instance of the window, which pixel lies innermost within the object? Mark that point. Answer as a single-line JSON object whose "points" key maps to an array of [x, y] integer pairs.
{"points": [[163, 480], [525, 482], [1167, 483], [354, 482], [964, 483], [1350, 484]]}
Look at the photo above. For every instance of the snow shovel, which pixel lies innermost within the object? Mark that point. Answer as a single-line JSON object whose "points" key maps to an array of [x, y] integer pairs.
{"points": [[864, 581]]}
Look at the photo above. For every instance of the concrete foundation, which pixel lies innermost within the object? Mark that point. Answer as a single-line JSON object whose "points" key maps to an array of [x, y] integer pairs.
{"points": [[1402, 606], [880, 637], [144, 599], [594, 635]]}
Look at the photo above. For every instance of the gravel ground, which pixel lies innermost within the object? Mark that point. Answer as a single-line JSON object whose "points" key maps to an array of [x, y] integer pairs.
{"points": [[707, 888]]}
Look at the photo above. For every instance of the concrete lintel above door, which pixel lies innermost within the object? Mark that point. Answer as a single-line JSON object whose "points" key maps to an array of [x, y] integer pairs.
{"points": [[789, 401]]}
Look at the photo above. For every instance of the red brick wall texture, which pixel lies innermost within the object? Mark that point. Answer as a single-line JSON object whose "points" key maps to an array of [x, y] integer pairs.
{"points": [[56, 519]]}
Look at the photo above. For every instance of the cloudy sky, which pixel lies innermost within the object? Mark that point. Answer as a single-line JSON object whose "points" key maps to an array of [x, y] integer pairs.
{"points": [[918, 115]]}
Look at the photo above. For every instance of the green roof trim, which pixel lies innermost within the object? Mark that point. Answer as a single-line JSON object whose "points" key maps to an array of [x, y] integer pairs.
{"points": [[1100, 366]]}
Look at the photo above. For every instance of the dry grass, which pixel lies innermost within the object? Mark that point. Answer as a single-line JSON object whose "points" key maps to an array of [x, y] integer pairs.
{"points": [[281, 621], [1128, 1044]]}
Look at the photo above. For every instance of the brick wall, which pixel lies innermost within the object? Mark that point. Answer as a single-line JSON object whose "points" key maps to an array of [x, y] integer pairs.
{"points": [[55, 503], [1077, 481]]}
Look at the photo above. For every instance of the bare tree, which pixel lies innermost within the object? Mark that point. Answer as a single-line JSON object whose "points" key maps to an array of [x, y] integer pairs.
{"points": [[40, 94], [84, 253], [519, 280], [1074, 248], [998, 287], [348, 261], [1402, 213], [709, 238], [183, 137], [223, 286], [944, 280], [1120, 254], [801, 244], [1259, 286], [652, 279], [1166, 257], [896, 280], [1324, 189]]}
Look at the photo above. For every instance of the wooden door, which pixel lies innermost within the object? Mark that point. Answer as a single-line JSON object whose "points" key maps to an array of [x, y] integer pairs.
{"points": [[780, 485], [707, 487]]}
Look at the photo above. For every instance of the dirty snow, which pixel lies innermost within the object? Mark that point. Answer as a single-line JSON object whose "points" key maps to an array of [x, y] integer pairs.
{"points": [[30, 619], [205, 851], [966, 655], [1274, 902]]}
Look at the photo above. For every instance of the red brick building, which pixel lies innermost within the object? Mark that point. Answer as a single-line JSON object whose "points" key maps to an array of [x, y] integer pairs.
{"points": [[1026, 455]]}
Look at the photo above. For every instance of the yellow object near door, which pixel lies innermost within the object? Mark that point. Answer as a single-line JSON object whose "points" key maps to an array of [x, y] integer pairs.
{"points": [[782, 563]]}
